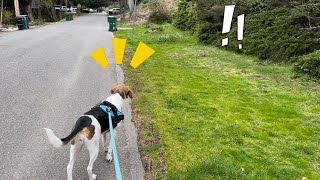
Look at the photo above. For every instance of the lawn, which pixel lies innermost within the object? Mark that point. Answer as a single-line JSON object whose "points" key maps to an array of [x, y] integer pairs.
{"points": [[206, 113]]}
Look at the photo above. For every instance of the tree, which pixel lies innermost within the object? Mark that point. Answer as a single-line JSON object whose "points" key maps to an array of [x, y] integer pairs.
{"points": [[309, 11], [22, 3], [1, 13], [82, 2], [49, 5], [98, 3]]}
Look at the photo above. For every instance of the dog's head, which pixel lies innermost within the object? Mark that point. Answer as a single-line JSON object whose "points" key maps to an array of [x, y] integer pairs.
{"points": [[123, 90]]}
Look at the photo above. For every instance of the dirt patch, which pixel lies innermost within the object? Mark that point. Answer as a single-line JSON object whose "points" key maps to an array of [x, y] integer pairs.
{"points": [[154, 166]]}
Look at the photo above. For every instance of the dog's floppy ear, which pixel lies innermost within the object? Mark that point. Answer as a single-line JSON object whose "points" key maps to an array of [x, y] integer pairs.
{"points": [[115, 88], [129, 93], [123, 87], [112, 90]]}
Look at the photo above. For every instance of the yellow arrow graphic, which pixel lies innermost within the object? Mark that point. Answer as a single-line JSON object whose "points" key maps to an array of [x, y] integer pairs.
{"points": [[100, 57], [142, 53], [119, 46]]}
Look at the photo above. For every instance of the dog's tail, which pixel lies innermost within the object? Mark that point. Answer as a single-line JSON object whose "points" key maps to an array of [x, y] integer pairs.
{"points": [[53, 139], [83, 124]]}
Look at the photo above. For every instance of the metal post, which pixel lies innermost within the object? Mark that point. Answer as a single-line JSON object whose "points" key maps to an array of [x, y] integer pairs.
{"points": [[1, 14], [133, 18]]}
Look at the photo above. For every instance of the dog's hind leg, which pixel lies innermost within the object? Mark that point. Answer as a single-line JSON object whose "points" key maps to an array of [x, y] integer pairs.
{"points": [[74, 151], [109, 153], [93, 148]]}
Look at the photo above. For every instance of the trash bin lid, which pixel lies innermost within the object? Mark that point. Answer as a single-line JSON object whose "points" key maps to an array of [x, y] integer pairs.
{"points": [[112, 17]]}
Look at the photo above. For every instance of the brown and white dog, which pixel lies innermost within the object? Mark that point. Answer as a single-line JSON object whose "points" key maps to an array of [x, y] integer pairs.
{"points": [[88, 130]]}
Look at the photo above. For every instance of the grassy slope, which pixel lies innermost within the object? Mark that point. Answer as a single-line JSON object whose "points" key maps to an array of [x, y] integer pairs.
{"points": [[223, 116]]}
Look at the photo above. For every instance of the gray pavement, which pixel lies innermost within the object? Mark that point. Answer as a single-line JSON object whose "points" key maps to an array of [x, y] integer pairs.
{"points": [[47, 79]]}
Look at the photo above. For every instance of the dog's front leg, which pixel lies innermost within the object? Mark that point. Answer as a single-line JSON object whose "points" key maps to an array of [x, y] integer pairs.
{"points": [[104, 141], [109, 153]]}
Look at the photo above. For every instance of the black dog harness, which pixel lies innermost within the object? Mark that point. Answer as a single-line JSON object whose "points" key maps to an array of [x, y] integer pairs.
{"points": [[102, 115], [116, 115]]}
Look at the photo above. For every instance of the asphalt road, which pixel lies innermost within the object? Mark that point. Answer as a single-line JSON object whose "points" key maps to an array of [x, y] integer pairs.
{"points": [[47, 79]]}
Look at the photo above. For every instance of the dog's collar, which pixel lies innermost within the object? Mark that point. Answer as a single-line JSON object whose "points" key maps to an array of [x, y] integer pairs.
{"points": [[121, 93]]}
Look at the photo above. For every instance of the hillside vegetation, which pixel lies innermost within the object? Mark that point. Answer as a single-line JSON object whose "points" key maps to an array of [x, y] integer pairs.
{"points": [[280, 31]]}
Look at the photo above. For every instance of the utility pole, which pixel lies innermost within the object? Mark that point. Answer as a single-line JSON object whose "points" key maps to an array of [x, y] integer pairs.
{"points": [[1, 14], [16, 7]]}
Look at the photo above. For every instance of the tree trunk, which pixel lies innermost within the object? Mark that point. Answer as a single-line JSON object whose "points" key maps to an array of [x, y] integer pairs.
{"points": [[60, 15], [131, 6], [16, 7], [54, 15], [39, 9], [1, 13], [29, 11]]}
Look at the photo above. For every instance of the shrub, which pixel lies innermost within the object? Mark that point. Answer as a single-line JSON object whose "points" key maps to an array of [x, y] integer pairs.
{"points": [[309, 64], [186, 18], [159, 13], [273, 34], [272, 31], [209, 32], [159, 17], [8, 17]]}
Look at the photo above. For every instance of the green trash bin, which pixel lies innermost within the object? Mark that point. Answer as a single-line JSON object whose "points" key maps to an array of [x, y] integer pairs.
{"points": [[69, 16], [112, 20], [25, 19], [24, 22]]}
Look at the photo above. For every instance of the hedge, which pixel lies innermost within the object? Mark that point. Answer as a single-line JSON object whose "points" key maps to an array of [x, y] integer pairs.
{"points": [[276, 33]]}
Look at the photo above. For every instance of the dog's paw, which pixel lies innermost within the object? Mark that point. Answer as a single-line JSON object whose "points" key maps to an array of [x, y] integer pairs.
{"points": [[109, 156], [94, 177], [105, 148]]}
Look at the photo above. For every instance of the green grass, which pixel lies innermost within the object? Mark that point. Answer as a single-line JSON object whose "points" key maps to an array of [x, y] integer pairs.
{"points": [[222, 116]]}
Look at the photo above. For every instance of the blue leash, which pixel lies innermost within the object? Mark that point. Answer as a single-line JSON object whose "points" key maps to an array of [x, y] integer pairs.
{"points": [[113, 142]]}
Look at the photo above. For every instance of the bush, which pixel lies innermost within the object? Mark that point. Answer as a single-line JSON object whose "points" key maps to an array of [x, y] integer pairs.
{"points": [[277, 35], [186, 18], [159, 17], [273, 34], [272, 31], [309, 64], [159, 13], [8, 17]]}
